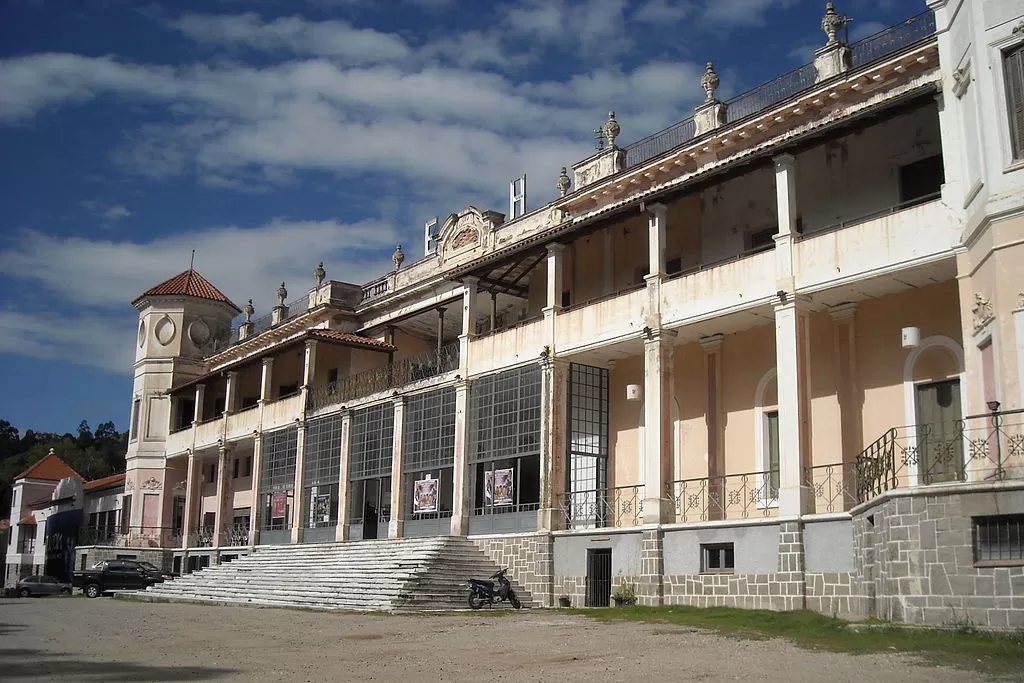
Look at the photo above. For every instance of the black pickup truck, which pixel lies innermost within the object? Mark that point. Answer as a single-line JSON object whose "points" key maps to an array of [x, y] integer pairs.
{"points": [[116, 575]]}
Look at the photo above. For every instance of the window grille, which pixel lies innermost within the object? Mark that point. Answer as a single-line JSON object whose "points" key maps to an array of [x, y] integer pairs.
{"points": [[588, 437], [278, 454], [999, 539], [371, 443], [505, 414], [429, 433], [323, 451]]}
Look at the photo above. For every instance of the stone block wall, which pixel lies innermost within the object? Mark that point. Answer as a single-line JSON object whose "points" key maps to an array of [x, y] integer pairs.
{"points": [[93, 554], [838, 594], [530, 559], [915, 555]]}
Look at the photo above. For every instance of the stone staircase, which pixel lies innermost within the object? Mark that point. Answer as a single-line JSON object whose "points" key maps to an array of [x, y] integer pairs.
{"points": [[386, 575]]}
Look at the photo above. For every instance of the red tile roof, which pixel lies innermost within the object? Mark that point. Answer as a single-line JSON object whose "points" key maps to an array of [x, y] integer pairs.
{"points": [[347, 338], [105, 482], [27, 520], [188, 283], [50, 468]]}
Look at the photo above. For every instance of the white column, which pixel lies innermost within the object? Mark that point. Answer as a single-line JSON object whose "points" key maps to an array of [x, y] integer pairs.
{"points": [[256, 511], [469, 295], [553, 444], [298, 495], [397, 523], [267, 380], [440, 329], [191, 498], [219, 535], [231, 401], [785, 196], [792, 371], [554, 276], [343, 511], [656, 219], [461, 504], [658, 349], [197, 415], [308, 371], [1018, 323]]}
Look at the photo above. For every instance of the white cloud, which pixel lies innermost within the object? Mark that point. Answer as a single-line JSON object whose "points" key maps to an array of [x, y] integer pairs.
{"points": [[663, 12], [80, 339], [111, 212], [731, 13]]}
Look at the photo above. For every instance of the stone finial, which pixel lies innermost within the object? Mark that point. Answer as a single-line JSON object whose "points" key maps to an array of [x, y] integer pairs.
{"points": [[249, 310], [282, 294], [832, 22], [319, 273], [611, 129], [564, 183], [709, 81], [398, 257]]}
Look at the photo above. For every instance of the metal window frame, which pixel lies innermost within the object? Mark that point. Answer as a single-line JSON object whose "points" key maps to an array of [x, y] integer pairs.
{"points": [[322, 464], [278, 455], [429, 431], [371, 441], [505, 415], [999, 540]]}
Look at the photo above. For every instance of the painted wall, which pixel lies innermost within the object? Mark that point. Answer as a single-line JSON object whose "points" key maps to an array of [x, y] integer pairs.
{"points": [[571, 553], [828, 546]]}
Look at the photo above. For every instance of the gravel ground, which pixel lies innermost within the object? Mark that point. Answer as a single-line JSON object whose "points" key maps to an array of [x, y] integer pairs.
{"points": [[77, 639]]}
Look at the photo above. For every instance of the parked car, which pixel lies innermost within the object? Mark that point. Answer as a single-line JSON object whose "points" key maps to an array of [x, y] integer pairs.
{"points": [[42, 585], [116, 575]]}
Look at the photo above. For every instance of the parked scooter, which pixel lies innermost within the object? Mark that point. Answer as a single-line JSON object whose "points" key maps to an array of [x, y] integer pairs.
{"points": [[487, 593]]}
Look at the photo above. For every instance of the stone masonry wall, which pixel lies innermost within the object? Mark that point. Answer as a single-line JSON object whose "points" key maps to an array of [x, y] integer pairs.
{"points": [[530, 560], [915, 555], [93, 554]]}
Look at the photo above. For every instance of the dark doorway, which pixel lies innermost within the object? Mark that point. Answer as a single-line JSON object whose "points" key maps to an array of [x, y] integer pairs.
{"points": [[599, 577], [939, 435]]}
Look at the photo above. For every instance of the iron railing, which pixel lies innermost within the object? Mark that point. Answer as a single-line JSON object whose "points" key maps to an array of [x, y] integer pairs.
{"points": [[984, 447], [732, 496], [414, 369], [870, 49], [621, 506], [234, 535], [832, 487]]}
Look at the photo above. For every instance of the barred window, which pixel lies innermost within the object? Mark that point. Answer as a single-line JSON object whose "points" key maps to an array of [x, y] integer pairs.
{"points": [[505, 414], [278, 455], [999, 540], [1013, 72], [429, 436], [323, 451], [371, 443]]}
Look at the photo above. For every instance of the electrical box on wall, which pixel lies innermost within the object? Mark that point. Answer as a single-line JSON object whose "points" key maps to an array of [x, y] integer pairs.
{"points": [[633, 392], [911, 337]]}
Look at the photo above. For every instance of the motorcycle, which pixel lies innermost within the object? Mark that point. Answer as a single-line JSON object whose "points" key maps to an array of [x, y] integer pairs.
{"points": [[487, 593]]}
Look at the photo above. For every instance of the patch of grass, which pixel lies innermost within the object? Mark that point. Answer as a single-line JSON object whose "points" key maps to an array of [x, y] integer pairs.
{"points": [[961, 648]]}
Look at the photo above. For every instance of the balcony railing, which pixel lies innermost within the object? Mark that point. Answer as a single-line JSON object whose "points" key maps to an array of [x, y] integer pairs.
{"points": [[832, 487], [984, 447], [132, 537], [622, 506], [414, 369], [877, 46], [374, 290], [733, 496]]}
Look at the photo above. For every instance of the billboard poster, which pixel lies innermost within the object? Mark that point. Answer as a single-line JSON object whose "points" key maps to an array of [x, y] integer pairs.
{"points": [[498, 487], [279, 504], [61, 541], [424, 497]]}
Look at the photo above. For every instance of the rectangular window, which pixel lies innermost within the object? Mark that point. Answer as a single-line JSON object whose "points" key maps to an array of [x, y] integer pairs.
{"points": [[286, 390], [1013, 72], [321, 471], [674, 265], [332, 375], [248, 466], [999, 540], [134, 429], [771, 448], [566, 299], [371, 441], [234, 468], [126, 513], [717, 558], [277, 471], [763, 239], [921, 180]]}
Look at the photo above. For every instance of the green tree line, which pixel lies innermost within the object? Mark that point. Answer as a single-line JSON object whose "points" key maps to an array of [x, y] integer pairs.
{"points": [[93, 454]]}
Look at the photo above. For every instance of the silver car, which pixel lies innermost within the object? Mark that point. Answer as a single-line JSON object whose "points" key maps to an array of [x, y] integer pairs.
{"points": [[42, 585]]}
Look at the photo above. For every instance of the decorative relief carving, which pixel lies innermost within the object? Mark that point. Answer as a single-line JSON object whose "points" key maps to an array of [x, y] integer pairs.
{"points": [[982, 312], [962, 80], [152, 484], [129, 485], [164, 330], [464, 238], [1020, 302], [465, 231]]}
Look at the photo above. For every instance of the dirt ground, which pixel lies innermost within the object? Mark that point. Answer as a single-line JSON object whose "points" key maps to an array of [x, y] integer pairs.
{"points": [[77, 639]]}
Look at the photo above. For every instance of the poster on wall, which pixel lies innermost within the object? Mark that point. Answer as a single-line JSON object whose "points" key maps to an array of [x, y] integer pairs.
{"points": [[424, 496], [278, 504], [322, 508], [498, 487]]}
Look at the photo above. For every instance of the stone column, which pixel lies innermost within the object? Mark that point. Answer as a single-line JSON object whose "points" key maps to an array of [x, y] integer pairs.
{"points": [[191, 498], [257, 511], [219, 534], [656, 224], [298, 494], [716, 503], [658, 350], [231, 401], [267, 380], [554, 276], [461, 503], [651, 590], [197, 415], [308, 371], [396, 525], [794, 414], [848, 395], [554, 399], [469, 294], [343, 510], [791, 581]]}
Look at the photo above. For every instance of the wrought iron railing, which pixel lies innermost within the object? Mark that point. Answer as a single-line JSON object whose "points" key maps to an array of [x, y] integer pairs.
{"points": [[203, 537], [874, 47], [984, 447], [622, 506], [832, 487], [732, 496], [131, 537], [234, 535], [407, 371]]}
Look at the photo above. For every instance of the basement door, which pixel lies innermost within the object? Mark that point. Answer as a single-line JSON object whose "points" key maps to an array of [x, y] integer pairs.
{"points": [[940, 449], [599, 577]]}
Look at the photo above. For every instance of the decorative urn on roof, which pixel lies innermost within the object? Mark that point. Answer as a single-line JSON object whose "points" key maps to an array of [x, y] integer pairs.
{"points": [[398, 257], [249, 310], [709, 81], [564, 183], [611, 129], [282, 294], [832, 22], [319, 273]]}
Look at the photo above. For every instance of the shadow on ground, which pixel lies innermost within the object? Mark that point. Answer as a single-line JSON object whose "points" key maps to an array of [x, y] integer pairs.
{"points": [[27, 664]]}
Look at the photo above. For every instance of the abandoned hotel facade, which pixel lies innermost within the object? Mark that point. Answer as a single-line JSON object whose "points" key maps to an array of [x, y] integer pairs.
{"points": [[770, 357]]}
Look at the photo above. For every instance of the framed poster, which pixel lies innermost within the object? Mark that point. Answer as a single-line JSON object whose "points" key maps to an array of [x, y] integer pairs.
{"points": [[279, 504], [424, 495], [502, 490]]}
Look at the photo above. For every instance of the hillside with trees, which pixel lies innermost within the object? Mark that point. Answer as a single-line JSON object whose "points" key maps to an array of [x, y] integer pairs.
{"points": [[93, 454]]}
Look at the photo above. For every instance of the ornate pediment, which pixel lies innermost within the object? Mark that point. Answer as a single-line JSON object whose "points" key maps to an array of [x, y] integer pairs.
{"points": [[468, 231]]}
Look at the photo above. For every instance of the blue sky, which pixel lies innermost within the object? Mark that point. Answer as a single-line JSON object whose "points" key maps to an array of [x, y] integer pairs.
{"points": [[269, 136]]}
